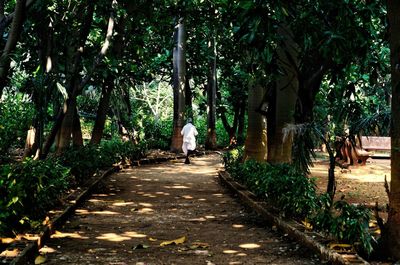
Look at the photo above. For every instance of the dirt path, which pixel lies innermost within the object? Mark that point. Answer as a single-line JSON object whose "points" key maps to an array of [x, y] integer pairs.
{"points": [[139, 208]]}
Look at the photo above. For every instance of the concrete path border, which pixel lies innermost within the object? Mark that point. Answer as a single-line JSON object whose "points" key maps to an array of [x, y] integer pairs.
{"points": [[32, 248], [309, 239]]}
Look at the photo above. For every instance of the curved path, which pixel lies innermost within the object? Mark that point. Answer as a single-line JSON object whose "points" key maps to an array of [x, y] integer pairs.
{"points": [[138, 209]]}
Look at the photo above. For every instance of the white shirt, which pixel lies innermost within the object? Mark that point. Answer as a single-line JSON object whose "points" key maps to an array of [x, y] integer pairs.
{"points": [[189, 133]]}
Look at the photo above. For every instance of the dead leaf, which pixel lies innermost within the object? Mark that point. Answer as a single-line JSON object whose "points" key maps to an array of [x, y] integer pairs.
{"points": [[307, 225], [197, 245], [152, 239], [177, 241], [40, 259]]}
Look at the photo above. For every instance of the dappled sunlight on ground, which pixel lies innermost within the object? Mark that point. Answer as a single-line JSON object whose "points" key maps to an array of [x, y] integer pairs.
{"points": [[10, 253], [75, 235], [249, 245], [133, 218], [361, 184], [114, 237]]}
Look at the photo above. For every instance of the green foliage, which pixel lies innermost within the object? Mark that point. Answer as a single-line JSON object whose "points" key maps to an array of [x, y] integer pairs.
{"points": [[291, 191], [348, 223], [85, 161], [158, 133], [16, 116], [28, 189]]}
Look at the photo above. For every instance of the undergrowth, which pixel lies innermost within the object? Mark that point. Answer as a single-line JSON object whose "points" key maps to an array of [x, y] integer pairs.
{"points": [[294, 194], [30, 188]]}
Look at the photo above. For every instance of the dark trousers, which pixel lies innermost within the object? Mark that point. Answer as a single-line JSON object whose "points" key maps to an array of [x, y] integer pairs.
{"points": [[187, 160]]}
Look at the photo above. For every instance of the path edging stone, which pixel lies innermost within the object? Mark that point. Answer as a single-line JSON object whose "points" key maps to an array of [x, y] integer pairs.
{"points": [[293, 229], [32, 248], [27, 254]]}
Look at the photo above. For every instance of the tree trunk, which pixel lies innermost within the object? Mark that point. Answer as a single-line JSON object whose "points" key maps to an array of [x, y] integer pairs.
{"points": [[179, 64], [101, 116], [53, 134], [392, 233], [188, 98], [280, 148], [34, 144], [76, 83], [211, 139], [65, 132], [30, 143], [241, 122], [77, 138], [73, 67], [13, 37], [255, 146]]}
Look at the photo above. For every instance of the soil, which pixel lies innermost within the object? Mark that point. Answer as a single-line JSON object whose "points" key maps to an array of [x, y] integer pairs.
{"points": [[131, 218], [358, 185]]}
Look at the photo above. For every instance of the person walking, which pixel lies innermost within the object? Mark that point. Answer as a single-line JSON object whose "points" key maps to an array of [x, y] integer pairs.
{"points": [[189, 133]]}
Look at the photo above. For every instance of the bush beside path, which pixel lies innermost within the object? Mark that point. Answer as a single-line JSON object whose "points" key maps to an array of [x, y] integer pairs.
{"points": [[169, 213]]}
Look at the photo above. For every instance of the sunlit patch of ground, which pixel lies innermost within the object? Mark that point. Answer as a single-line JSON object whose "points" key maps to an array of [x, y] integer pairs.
{"points": [[361, 184]]}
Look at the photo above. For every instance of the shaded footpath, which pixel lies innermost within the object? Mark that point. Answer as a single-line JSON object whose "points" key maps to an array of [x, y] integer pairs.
{"points": [[137, 210]]}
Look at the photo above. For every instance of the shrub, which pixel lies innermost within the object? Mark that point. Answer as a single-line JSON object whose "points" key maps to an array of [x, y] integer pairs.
{"points": [[28, 189], [86, 160], [16, 116], [158, 133], [295, 195]]}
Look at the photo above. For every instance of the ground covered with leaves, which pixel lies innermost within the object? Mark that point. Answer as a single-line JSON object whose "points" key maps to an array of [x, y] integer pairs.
{"points": [[169, 213]]}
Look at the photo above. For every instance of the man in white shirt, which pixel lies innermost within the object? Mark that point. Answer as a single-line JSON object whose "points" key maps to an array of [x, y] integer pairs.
{"points": [[189, 133]]}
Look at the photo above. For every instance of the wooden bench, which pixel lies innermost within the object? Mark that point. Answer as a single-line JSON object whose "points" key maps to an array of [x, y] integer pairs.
{"points": [[376, 143]]}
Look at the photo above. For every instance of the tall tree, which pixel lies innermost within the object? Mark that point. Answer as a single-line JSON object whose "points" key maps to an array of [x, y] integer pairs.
{"points": [[392, 233], [255, 146], [74, 66], [284, 99], [12, 40], [179, 76], [211, 139], [109, 83]]}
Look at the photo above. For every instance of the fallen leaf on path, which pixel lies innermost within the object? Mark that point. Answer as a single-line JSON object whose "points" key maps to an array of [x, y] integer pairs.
{"points": [[197, 245], [40, 259], [177, 241]]}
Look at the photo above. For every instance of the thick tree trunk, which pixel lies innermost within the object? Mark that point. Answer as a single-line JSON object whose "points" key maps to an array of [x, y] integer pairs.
{"points": [[77, 138], [392, 231], [77, 84], [255, 146], [101, 116], [108, 87], [30, 143], [179, 63], [309, 84], [63, 138], [65, 133], [211, 139], [13, 37], [53, 134], [280, 148]]}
